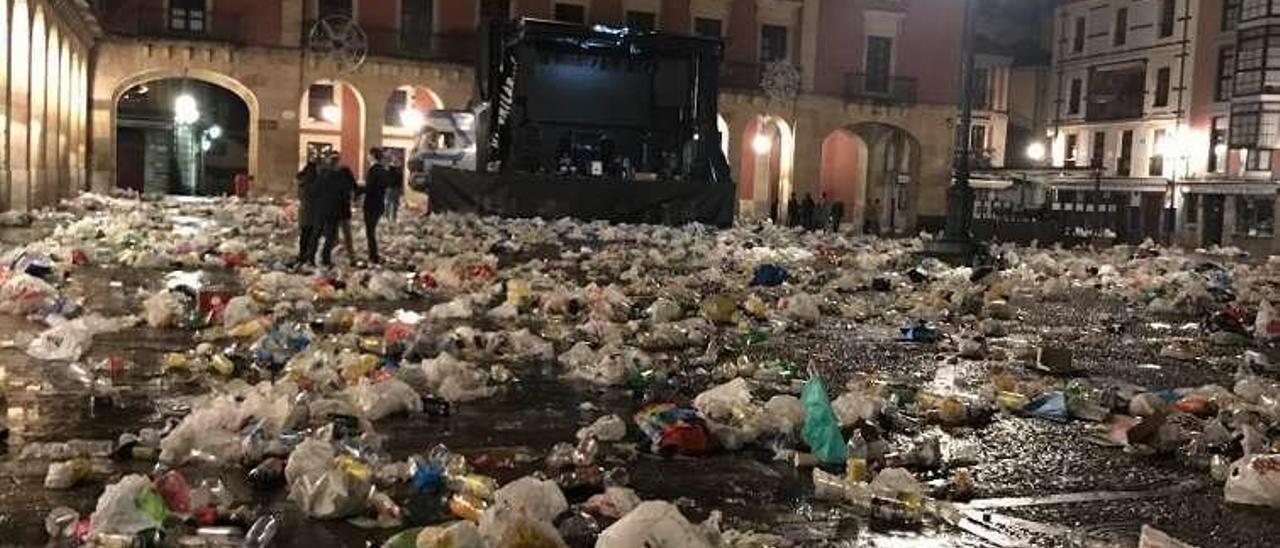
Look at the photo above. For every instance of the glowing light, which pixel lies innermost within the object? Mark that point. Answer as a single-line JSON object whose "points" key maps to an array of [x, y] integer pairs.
{"points": [[1220, 148], [761, 144], [185, 109], [412, 119], [1035, 151], [215, 132], [331, 113]]}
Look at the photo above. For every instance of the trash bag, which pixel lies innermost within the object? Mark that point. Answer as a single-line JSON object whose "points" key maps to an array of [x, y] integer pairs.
{"points": [[1266, 326], [769, 275], [664, 310], [803, 308], [458, 534], [164, 309], [614, 502], [606, 428], [117, 511], [67, 340], [821, 428], [240, 309], [1254, 479], [322, 485], [384, 398], [523, 509], [653, 523], [23, 294]]}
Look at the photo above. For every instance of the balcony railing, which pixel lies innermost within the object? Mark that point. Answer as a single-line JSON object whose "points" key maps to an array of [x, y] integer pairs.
{"points": [[860, 87], [455, 47], [218, 26]]}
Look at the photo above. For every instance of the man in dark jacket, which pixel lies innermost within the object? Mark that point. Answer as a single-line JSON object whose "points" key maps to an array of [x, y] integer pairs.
{"points": [[837, 215], [331, 205], [376, 182], [806, 212], [307, 234]]}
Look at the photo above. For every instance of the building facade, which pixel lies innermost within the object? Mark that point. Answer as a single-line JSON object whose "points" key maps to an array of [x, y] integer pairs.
{"points": [[1161, 119], [852, 99], [45, 48]]}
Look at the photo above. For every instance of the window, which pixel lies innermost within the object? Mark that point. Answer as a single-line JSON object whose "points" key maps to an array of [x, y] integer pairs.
{"points": [[1124, 165], [1122, 26], [1162, 87], [1255, 215], [710, 28], [1069, 154], [318, 97], [1073, 105], [981, 93], [1117, 92], [1156, 164], [417, 24], [1257, 160], [1253, 9], [330, 8], [1253, 127], [642, 20], [1096, 157], [773, 43], [1226, 68], [571, 13], [187, 16], [396, 104], [1257, 60], [1230, 14], [1218, 145], [1167, 8], [1077, 44], [978, 139], [879, 57]]}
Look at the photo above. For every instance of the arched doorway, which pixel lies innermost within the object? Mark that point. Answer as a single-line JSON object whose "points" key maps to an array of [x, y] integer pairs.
{"points": [[182, 136], [406, 112], [873, 168], [332, 119], [843, 173], [764, 184]]}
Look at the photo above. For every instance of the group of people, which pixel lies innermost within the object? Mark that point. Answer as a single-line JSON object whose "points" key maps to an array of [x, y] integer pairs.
{"points": [[326, 191], [810, 215]]}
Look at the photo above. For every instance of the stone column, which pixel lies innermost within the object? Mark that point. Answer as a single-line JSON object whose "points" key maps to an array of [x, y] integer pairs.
{"points": [[48, 192], [4, 104]]}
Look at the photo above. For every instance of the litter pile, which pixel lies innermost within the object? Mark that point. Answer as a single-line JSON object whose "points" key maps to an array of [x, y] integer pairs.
{"points": [[298, 368]]}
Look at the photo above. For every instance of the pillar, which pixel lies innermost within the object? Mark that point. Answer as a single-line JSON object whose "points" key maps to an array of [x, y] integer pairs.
{"points": [[64, 121], [48, 193], [4, 104], [375, 113], [30, 196], [1228, 220], [19, 106], [808, 159]]}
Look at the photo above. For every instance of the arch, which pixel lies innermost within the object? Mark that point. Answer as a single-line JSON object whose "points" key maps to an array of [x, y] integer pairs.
{"points": [[764, 180], [345, 133], [842, 173], [203, 75], [406, 108], [891, 176]]}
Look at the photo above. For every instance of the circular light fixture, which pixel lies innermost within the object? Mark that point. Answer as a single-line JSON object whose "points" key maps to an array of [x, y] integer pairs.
{"points": [[331, 113], [214, 131], [185, 109], [761, 144], [1035, 151], [413, 119]]}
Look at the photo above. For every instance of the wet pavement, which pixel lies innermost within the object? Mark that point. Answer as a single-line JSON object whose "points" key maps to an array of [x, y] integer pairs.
{"points": [[1038, 483]]}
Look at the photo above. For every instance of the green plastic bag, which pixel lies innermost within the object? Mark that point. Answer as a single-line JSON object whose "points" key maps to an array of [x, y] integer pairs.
{"points": [[152, 504], [821, 427]]}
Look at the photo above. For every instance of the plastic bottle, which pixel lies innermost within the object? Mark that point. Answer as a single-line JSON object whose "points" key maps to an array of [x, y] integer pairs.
{"points": [[61, 522], [856, 465], [475, 485], [585, 453], [262, 531], [466, 507]]}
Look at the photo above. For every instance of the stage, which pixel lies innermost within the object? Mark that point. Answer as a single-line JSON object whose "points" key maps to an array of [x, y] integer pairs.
{"points": [[552, 196]]}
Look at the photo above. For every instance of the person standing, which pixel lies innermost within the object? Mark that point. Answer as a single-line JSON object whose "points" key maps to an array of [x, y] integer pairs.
{"points": [[793, 211], [307, 222], [837, 215], [376, 182], [806, 211], [332, 204], [240, 185], [395, 191]]}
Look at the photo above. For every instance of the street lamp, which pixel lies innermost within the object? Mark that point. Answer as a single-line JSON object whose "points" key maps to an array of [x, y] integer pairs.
{"points": [[412, 118], [1035, 151], [761, 144], [185, 109], [331, 113]]}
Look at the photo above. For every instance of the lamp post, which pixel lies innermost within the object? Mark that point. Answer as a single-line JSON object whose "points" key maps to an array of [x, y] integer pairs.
{"points": [[956, 244]]}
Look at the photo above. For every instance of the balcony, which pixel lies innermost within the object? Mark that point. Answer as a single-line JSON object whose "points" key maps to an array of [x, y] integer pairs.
{"points": [[218, 26], [862, 88]]}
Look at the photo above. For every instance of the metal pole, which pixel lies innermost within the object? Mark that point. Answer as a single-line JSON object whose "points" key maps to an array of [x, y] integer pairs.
{"points": [[960, 194]]}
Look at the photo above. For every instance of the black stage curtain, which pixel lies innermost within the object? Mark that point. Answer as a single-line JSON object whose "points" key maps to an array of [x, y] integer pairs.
{"points": [[555, 196]]}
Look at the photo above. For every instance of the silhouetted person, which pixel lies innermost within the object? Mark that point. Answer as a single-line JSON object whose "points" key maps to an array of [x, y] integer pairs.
{"points": [[335, 185], [837, 215], [793, 211], [822, 213], [376, 182], [395, 192], [806, 211], [307, 221]]}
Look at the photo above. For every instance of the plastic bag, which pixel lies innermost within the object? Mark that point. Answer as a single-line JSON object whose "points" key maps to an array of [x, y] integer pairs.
{"points": [[67, 340], [664, 310], [769, 275], [321, 486], [517, 509], [784, 413], [653, 523], [23, 294], [385, 398], [1266, 326], [1254, 479], [614, 502], [117, 510], [239, 309], [821, 428], [164, 309], [802, 307], [606, 428], [457, 309], [458, 534]]}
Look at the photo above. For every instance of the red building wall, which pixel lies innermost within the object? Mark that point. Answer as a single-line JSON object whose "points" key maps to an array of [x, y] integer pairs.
{"points": [[743, 33]]}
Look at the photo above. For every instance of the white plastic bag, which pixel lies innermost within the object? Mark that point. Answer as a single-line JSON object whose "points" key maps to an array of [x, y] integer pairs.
{"points": [[803, 308], [1254, 479], [67, 340], [163, 309], [520, 505], [614, 502], [23, 293], [385, 398], [606, 428], [458, 534], [653, 523], [239, 309], [117, 510]]}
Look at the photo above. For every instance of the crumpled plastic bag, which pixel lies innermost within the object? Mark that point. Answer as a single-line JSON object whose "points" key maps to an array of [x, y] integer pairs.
{"points": [[614, 502], [653, 523], [457, 309], [732, 415], [239, 309], [821, 428], [857, 405], [117, 510], [1254, 479], [610, 367], [458, 534], [897, 483], [450, 378], [769, 275], [381, 399], [67, 340], [321, 487], [23, 294], [664, 310], [516, 504], [212, 431], [606, 428], [164, 309], [802, 307], [1266, 326], [784, 414]]}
